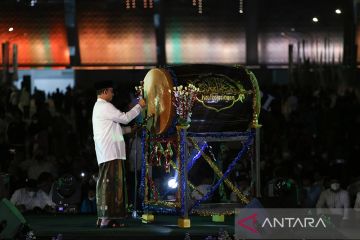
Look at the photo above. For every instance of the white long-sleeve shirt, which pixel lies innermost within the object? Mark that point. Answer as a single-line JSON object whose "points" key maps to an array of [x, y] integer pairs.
{"points": [[108, 134], [40, 199], [337, 203]]}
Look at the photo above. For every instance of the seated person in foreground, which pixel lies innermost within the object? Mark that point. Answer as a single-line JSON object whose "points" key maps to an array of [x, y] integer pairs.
{"points": [[334, 201], [88, 204], [31, 198]]}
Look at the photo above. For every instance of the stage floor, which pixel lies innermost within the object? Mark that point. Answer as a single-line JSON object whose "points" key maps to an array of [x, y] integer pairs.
{"points": [[164, 227]]}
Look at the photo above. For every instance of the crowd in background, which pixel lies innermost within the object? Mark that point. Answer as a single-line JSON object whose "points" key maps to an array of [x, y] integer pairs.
{"points": [[309, 140], [49, 134], [310, 137]]}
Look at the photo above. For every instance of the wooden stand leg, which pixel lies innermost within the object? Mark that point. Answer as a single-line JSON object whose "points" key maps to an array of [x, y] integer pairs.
{"points": [[184, 222], [147, 218]]}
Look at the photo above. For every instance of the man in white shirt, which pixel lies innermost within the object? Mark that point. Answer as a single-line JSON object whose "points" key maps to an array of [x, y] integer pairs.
{"points": [[110, 152], [30, 197], [334, 201]]}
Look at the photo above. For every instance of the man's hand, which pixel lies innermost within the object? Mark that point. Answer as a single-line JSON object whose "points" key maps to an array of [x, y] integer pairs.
{"points": [[142, 103]]}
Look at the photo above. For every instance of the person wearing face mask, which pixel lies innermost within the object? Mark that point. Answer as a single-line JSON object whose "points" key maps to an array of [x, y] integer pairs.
{"points": [[335, 200], [88, 205], [31, 198], [310, 191]]}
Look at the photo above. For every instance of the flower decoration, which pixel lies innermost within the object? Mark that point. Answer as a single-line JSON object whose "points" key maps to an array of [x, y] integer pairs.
{"points": [[140, 89], [183, 100]]}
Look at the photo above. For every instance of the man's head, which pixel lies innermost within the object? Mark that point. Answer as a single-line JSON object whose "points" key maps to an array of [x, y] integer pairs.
{"points": [[91, 194], [31, 187], [104, 90], [334, 185], [107, 94]]}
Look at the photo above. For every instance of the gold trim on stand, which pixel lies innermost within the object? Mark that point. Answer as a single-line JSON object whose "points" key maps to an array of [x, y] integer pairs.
{"points": [[219, 173]]}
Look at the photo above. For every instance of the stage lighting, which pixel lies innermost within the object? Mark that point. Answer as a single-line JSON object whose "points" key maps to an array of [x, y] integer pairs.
{"points": [[33, 3], [315, 19], [172, 183], [11, 29], [338, 11], [82, 174]]}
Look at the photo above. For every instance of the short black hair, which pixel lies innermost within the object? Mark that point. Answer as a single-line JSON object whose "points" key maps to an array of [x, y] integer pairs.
{"points": [[102, 85], [100, 91]]}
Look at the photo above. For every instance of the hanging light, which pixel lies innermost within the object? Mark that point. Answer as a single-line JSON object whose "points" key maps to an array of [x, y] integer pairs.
{"points": [[132, 3], [199, 4], [241, 6]]}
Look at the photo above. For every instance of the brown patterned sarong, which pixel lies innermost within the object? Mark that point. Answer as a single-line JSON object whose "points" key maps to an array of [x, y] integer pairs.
{"points": [[111, 190]]}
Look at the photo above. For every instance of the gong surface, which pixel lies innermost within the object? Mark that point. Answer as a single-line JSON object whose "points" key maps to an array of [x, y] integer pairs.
{"points": [[160, 110]]}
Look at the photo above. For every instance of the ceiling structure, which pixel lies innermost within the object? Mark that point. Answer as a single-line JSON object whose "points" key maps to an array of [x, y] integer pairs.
{"points": [[118, 35]]}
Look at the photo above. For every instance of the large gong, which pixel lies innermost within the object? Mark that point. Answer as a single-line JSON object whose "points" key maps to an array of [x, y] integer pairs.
{"points": [[160, 111]]}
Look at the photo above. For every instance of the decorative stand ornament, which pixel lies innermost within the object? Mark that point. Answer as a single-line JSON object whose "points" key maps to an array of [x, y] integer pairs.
{"points": [[159, 154], [183, 100], [155, 193], [152, 156], [168, 155]]}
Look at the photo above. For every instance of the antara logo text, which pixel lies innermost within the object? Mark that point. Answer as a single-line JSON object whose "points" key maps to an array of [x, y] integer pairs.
{"points": [[251, 224], [290, 222]]}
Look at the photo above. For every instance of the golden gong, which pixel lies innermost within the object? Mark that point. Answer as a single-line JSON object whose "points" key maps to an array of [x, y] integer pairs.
{"points": [[160, 110]]}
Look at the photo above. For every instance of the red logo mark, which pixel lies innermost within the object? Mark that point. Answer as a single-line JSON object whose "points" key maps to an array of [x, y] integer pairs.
{"points": [[241, 223]]}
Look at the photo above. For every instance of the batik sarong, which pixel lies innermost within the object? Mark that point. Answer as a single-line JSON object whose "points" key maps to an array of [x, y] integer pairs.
{"points": [[111, 190]]}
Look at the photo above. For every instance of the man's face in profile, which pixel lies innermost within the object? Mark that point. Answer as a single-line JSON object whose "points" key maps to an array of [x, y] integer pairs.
{"points": [[109, 94]]}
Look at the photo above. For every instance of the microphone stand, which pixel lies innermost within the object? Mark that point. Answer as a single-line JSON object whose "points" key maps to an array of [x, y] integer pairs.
{"points": [[134, 213]]}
